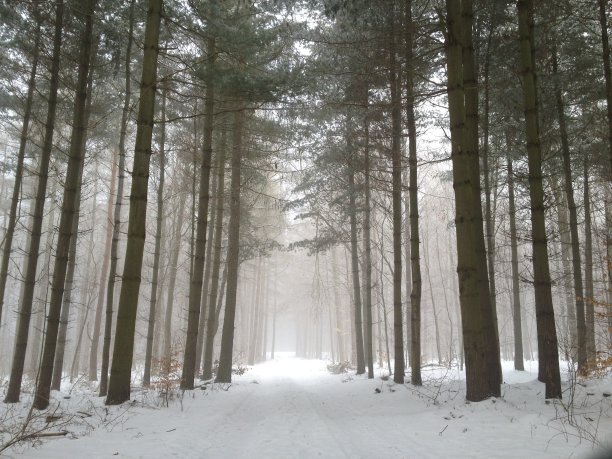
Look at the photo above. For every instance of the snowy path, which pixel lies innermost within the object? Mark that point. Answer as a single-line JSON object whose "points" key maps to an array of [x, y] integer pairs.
{"points": [[295, 409]]}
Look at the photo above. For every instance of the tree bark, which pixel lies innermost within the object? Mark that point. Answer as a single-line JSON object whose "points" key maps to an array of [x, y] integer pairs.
{"points": [[573, 220], [415, 256], [588, 273], [211, 324], [481, 354], [224, 374], [367, 241], [195, 286], [25, 310], [146, 378], [548, 357], [66, 304], [121, 370], [516, 293], [470, 84], [355, 270], [114, 257], [396, 158]]}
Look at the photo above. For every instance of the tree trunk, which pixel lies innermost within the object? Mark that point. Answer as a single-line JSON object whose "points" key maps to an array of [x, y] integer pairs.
{"points": [[355, 271], [66, 303], [114, 257], [224, 374], [588, 273], [548, 357], [121, 370], [206, 305], [368, 249], [470, 84], [516, 294], [12, 221], [489, 214], [25, 310], [195, 286], [573, 219], [146, 378], [211, 327], [396, 156], [481, 352], [415, 257]]}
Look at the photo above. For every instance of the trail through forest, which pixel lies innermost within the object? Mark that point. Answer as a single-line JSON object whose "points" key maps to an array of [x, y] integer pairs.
{"points": [[296, 408]]}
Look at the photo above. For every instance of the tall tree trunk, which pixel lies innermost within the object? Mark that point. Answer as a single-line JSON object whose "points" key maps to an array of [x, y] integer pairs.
{"points": [[548, 356], [195, 285], [355, 271], [206, 286], [573, 219], [146, 378], [588, 272], [224, 374], [25, 309], [121, 370], [66, 303], [489, 214], [481, 353], [114, 257], [23, 140], [367, 241], [211, 324], [396, 157], [415, 256], [470, 84], [516, 294]]}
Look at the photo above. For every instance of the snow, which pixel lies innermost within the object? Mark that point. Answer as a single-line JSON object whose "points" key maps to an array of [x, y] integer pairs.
{"points": [[294, 408]]}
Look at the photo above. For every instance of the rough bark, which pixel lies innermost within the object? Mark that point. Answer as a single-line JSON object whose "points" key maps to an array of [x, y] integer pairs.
{"points": [[482, 380], [121, 370], [516, 294], [355, 273], [146, 378], [415, 256], [471, 142], [114, 257], [211, 323], [195, 285], [224, 374], [548, 357], [367, 242], [72, 253], [573, 220], [396, 159], [25, 309], [589, 298]]}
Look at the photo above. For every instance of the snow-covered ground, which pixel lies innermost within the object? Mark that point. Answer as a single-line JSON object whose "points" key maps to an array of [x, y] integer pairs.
{"points": [[293, 408]]}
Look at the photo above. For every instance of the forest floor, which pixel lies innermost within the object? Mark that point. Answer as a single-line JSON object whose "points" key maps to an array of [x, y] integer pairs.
{"points": [[293, 408]]}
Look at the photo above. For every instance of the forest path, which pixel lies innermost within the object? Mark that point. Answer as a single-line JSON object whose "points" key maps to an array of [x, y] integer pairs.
{"points": [[293, 408]]}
